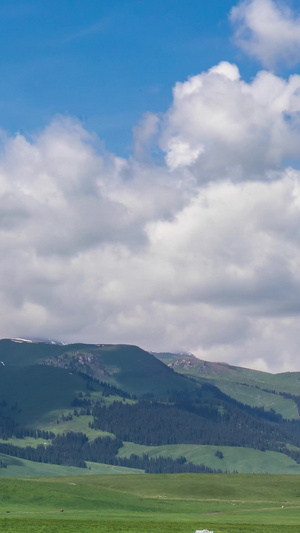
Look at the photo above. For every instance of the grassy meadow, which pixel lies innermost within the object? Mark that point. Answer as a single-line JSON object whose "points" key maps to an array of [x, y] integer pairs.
{"points": [[179, 503], [21, 468], [235, 459], [254, 397]]}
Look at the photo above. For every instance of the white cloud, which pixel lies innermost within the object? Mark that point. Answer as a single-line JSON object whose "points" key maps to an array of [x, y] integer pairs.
{"points": [[267, 30], [226, 69], [181, 154], [220, 125], [144, 134], [199, 253]]}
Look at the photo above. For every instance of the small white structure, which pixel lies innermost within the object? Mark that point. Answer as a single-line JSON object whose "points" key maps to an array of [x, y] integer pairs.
{"points": [[203, 531]]}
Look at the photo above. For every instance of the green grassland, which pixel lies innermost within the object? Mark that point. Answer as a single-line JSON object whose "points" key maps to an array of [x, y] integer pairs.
{"points": [[25, 441], [21, 468], [179, 503], [235, 459], [254, 397], [77, 424]]}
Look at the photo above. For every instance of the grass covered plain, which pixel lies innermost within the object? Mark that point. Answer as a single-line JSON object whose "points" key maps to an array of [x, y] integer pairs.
{"points": [[177, 503]]}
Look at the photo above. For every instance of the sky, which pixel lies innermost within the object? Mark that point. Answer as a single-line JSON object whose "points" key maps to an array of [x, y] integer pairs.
{"points": [[150, 177]]}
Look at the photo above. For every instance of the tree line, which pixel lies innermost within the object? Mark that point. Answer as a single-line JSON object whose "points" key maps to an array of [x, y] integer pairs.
{"points": [[74, 449], [155, 424]]}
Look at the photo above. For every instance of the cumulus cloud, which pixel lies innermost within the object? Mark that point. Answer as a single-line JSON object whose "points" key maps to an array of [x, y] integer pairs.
{"points": [[267, 30], [220, 125], [196, 250]]}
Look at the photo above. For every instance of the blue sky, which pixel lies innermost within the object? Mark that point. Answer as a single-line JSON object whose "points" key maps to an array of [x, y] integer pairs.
{"points": [[105, 62], [149, 175]]}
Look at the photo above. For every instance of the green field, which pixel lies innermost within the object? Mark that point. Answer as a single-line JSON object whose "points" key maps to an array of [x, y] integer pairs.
{"points": [[235, 459], [80, 423], [21, 468], [179, 503]]}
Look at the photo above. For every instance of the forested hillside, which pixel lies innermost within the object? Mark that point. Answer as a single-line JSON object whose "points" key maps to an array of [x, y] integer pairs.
{"points": [[72, 404]]}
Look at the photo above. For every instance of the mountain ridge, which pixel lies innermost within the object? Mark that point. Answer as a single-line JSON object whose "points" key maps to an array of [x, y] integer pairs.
{"points": [[87, 400]]}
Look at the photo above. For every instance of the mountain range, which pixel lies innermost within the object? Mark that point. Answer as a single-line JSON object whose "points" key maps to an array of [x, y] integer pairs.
{"points": [[85, 405]]}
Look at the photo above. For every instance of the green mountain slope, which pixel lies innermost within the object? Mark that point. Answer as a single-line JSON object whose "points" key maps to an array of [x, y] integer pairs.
{"points": [[21, 468], [96, 397], [39, 381], [36, 395], [127, 367], [251, 387], [233, 459]]}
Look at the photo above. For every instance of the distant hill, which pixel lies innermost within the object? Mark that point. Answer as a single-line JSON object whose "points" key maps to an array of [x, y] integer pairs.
{"points": [[251, 387], [78, 404], [128, 367]]}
